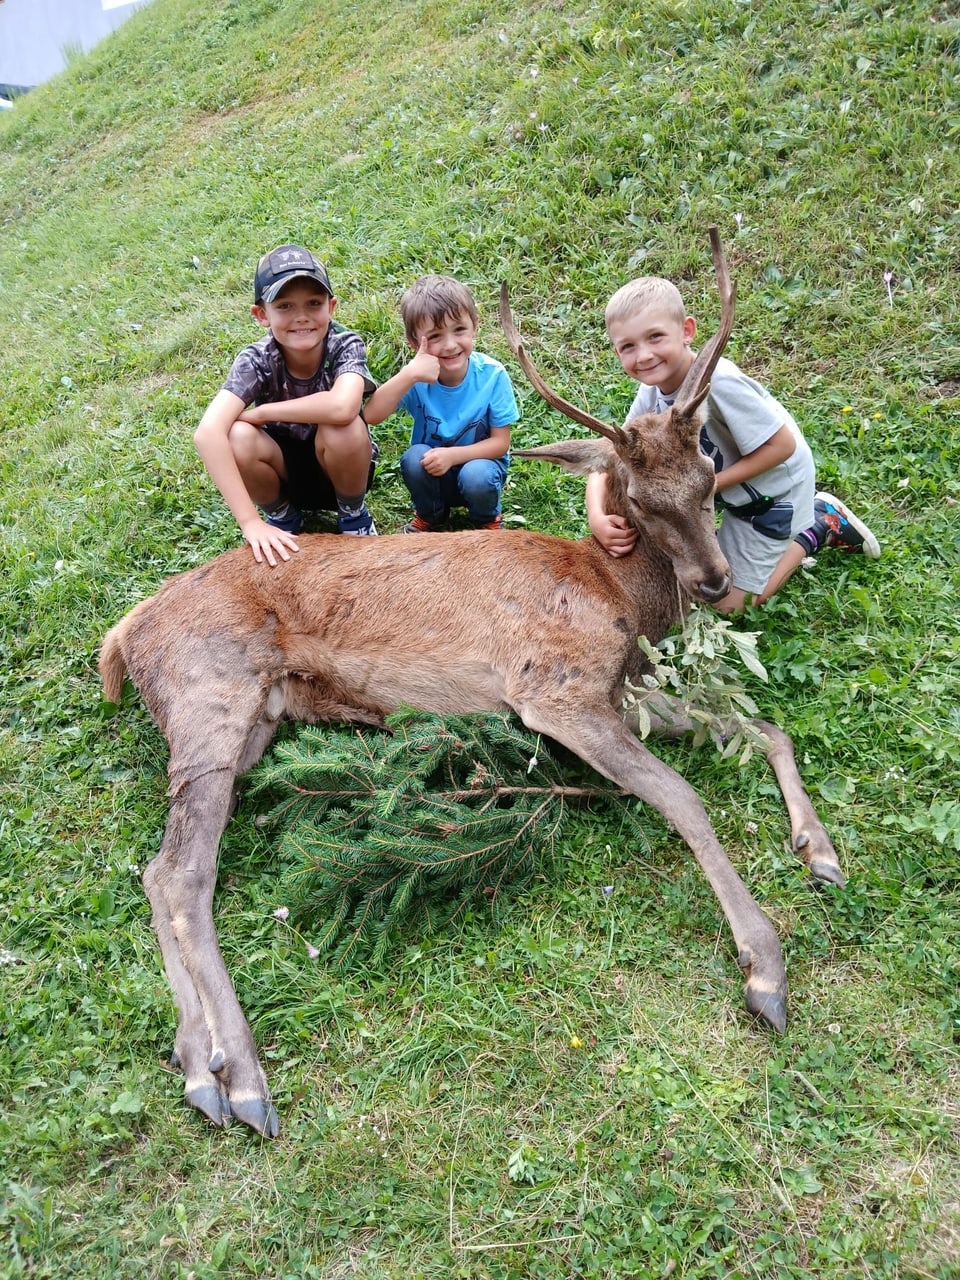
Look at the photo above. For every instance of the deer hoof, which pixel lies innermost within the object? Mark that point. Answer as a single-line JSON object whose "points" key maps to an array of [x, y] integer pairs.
{"points": [[816, 849], [770, 1006], [258, 1113], [828, 872], [210, 1102]]}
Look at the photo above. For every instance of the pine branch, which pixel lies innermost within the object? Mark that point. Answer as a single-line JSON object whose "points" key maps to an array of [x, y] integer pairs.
{"points": [[396, 832]]}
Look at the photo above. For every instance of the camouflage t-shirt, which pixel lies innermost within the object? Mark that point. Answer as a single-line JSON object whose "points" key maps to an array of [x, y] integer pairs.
{"points": [[259, 374]]}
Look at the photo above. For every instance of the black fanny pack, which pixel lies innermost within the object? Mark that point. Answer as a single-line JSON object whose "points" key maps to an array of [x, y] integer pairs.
{"points": [[773, 517], [747, 510]]}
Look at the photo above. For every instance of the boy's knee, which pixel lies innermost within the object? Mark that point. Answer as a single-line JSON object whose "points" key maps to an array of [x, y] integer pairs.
{"points": [[343, 432], [349, 441], [242, 433], [248, 443], [734, 602], [479, 476], [411, 460]]}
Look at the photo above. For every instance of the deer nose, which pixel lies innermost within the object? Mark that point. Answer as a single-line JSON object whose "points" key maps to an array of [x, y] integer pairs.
{"points": [[714, 589]]}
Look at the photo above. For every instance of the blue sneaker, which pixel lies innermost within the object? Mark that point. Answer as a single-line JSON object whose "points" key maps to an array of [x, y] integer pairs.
{"points": [[285, 517], [359, 525], [837, 526]]}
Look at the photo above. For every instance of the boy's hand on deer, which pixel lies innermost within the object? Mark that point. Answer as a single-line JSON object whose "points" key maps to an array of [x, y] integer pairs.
{"points": [[617, 536], [264, 540]]}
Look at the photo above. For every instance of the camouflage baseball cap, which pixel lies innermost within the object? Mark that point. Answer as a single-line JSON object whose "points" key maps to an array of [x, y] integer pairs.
{"points": [[289, 262]]}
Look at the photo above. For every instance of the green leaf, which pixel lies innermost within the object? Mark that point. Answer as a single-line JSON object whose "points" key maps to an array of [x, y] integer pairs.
{"points": [[128, 1104], [745, 644], [802, 1182], [643, 720], [837, 790]]}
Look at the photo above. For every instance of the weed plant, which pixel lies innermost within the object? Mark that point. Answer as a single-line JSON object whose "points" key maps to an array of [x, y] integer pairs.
{"points": [[575, 1091]]}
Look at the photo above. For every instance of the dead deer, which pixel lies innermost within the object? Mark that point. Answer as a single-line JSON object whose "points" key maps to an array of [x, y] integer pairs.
{"points": [[520, 621]]}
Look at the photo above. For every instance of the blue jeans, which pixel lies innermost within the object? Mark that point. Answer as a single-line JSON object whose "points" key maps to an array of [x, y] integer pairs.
{"points": [[476, 485]]}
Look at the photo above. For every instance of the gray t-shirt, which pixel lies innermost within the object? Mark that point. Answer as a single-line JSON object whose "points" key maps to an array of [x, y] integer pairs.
{"points": [[739, 415], [259, 374]]}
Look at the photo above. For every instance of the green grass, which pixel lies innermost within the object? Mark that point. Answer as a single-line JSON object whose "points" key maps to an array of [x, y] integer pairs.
{"points": [[578, 1091]]}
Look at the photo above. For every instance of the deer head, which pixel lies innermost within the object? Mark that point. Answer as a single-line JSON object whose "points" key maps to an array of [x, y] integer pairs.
{"points": [[658, 478]]}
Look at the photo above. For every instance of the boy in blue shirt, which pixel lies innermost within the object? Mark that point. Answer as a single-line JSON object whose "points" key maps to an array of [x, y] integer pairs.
{"points": [[462, 405], [285, 431]]}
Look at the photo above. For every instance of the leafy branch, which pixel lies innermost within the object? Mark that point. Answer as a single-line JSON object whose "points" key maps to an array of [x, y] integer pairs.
{"points": [[412, 828], [691, 676]]}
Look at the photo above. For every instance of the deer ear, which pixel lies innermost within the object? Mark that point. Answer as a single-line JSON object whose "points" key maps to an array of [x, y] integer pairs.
{"points": [[578, 456]]}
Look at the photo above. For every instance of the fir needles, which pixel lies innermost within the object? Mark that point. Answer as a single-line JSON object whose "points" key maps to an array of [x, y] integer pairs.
{"points": [[415, 827]]}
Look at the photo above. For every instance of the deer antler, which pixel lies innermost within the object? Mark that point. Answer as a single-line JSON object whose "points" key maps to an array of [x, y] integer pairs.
{"points": [[697, 382], [611, 433], [695, 385]]}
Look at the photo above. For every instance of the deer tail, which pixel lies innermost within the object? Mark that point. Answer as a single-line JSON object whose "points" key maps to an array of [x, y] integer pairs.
{"points": [[113, 665]]}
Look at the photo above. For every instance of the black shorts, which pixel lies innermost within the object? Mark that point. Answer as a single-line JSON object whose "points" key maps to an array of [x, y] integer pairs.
{"points": [[307, 485]]}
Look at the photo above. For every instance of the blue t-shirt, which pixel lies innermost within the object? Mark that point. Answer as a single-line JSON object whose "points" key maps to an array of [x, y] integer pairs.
{"points": [[462, 415]]}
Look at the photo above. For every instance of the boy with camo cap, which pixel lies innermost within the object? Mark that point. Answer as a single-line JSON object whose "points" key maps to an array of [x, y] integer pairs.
{"points": [[285, 432]]}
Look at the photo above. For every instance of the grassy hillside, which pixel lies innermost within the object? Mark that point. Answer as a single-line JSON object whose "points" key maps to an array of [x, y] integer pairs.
{"points": [[577, 1092]]}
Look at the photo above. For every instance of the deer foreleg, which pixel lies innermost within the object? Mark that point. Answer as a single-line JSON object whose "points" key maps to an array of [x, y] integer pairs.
{"points": [[808, 834], [214, 1044], [602, 739]]}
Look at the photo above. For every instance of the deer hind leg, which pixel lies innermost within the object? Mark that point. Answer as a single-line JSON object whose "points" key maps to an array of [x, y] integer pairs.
{"points": [[600, 737], [808, 834], [214, 1045]]}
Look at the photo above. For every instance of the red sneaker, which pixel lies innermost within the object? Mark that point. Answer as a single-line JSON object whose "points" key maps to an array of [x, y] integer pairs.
{"points": [[419, 525]]}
